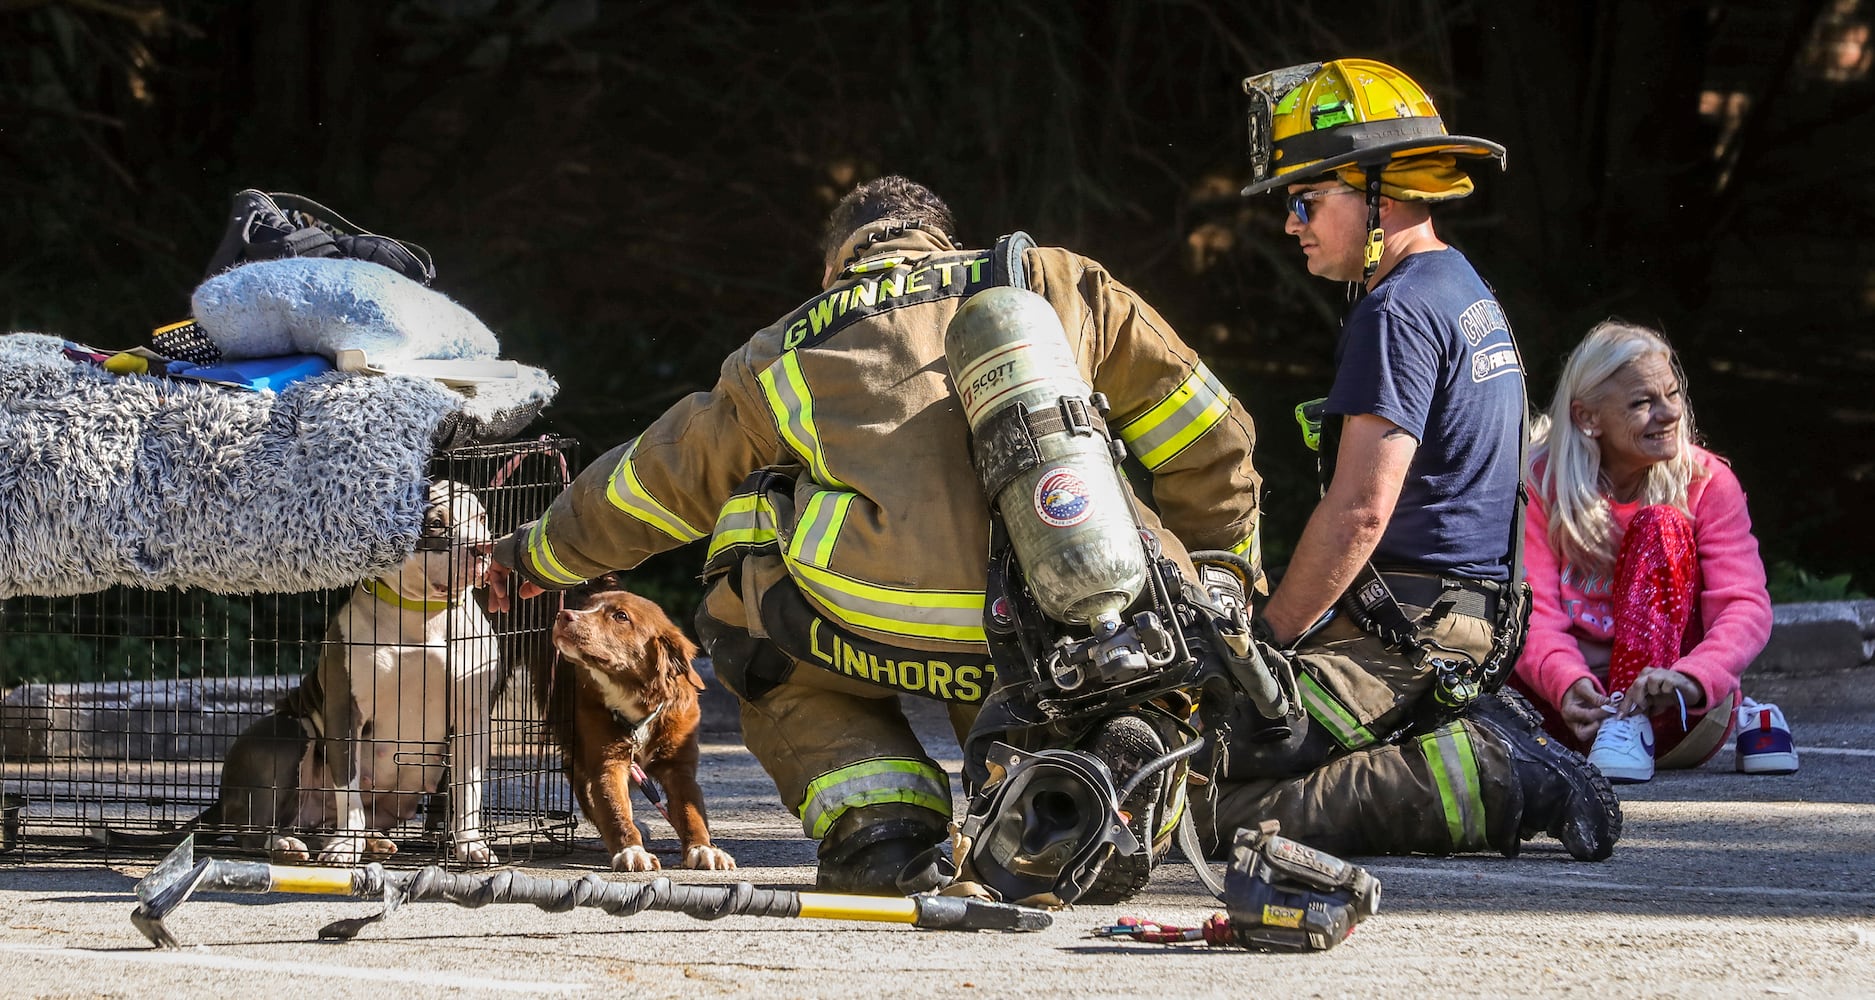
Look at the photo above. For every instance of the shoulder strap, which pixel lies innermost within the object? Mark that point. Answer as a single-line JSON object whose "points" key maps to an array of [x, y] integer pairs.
{"points": [[1006, 263], [1523, 490]]}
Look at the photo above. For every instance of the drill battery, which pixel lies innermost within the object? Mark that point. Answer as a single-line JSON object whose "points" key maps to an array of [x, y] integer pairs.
{"points": [[1285, 896]]}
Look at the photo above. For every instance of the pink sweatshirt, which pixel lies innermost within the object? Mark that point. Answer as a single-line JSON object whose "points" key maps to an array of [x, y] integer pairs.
{"points": [[1732, 621]]}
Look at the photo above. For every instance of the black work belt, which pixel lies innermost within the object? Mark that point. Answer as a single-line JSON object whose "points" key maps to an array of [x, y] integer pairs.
{"points": [[1462, 596]]}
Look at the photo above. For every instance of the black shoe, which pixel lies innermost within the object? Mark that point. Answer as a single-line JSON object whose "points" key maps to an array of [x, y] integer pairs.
{"points": [[895, 866], [272, 226], [1125, 743], [1563, 794], [259, 229]]}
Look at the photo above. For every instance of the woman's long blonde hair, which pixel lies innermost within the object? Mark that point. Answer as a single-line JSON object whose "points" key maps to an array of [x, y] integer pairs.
{"points": [[1581, 528]]}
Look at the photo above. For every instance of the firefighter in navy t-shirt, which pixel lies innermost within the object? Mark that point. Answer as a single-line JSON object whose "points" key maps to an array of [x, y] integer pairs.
{"points": [[1402, 602]]}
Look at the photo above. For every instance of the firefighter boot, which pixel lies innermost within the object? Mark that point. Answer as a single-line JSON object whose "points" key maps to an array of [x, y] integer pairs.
{"points": [[1125, 743], [880, 850], [1556, 791]]}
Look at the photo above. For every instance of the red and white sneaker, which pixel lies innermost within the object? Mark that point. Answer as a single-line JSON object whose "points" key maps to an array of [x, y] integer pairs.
{"points": [[1764, 743]]}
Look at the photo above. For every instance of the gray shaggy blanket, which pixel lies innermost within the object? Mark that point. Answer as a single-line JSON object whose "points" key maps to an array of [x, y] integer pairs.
{"points": [[155, 483]]}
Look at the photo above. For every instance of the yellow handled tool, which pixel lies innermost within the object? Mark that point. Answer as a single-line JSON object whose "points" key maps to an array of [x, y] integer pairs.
{"points": [[180, 875]]}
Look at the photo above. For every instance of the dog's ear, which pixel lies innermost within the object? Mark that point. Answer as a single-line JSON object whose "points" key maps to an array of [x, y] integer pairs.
{"points": [[676, 652]]}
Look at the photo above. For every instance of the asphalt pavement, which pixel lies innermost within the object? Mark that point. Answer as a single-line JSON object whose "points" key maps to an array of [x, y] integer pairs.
{"points": [[1725, 885]]}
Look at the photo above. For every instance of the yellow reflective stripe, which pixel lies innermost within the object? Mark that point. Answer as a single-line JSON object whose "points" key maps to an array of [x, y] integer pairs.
{"points": [[540, 553], [1248, 548], [819, 527], [639, 503], [793, 406], [950, 615], [881, 264], [1176, 808], [871, 782], [1454, 767], [947, 615], [1324, 709], [747, 519], [1160, 433], [1251, 549]]}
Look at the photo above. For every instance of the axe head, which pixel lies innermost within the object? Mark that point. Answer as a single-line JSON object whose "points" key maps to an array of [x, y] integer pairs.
{"points": [[164, 889]]}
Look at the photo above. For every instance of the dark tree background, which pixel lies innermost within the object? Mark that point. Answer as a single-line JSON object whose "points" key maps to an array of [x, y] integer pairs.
{"points": [[624, 191]]}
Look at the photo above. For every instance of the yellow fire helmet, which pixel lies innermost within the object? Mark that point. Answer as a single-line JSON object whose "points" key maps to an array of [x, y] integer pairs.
{"points": [[1310, 120]]}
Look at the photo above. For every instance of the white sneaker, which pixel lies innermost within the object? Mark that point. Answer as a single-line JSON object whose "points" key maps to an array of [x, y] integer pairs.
{"points": [[1624, 750], [1764, 743]]}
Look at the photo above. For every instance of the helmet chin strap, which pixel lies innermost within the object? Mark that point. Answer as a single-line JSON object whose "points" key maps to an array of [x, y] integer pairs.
{"points": [[1376, 242], [1376, 238]]}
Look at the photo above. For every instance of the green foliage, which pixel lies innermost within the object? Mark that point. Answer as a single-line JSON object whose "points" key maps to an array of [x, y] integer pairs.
{"points": [[1789, 582]]}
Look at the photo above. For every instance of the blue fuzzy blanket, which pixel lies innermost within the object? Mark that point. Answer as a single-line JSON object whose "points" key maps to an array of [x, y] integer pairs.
{"points": [[154, 483]]}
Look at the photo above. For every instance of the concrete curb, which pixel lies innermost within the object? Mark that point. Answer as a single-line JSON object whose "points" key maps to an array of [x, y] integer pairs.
{"points": [[193, 719], [1814, 637], [197, 719]]}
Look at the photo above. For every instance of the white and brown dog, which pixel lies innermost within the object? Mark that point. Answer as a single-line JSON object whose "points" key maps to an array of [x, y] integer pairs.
{"points": [[408, 669]]}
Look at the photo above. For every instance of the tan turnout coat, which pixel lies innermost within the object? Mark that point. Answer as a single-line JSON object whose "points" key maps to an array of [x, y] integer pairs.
{"points": [[889, 531]]}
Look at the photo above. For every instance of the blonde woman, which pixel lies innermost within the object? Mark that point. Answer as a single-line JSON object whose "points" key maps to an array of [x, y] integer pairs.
{"points": [[1647, 589]]}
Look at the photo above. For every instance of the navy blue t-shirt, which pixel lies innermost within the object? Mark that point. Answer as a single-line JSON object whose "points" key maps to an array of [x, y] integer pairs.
{"points": [[1430, 350]]}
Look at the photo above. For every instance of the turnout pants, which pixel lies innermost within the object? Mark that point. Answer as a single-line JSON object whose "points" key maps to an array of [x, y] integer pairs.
{"points": [[1355, 776], [840, 750], [1447, 791]]}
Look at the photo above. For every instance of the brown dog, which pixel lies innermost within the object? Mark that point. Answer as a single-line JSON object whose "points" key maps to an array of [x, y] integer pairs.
{"points": [[630, 695]]}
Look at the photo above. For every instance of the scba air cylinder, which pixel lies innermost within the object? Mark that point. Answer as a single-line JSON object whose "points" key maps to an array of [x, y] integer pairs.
{"points": [[1062, 501]]}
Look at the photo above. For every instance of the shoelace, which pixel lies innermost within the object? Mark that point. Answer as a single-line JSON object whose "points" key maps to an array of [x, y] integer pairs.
{"points": [[1614, 707], [1756, 715], [1620, 739]]}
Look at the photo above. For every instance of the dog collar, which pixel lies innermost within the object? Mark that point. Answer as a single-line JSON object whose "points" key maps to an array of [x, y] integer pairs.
{"points": [[641, 729], [377, 589]]}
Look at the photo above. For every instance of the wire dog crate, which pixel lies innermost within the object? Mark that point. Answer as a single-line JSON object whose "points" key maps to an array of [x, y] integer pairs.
{"points": [[127, 713]]}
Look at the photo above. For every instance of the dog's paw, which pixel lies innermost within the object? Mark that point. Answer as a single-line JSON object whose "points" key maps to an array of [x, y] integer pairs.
{"points": [[635, 859], [476, 852], [342, 851], [708, 857], [288, 850], [377, 846]]}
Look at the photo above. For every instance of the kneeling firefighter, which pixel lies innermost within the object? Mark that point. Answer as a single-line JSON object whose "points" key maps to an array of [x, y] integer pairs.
{"points": [[830, 471]]}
